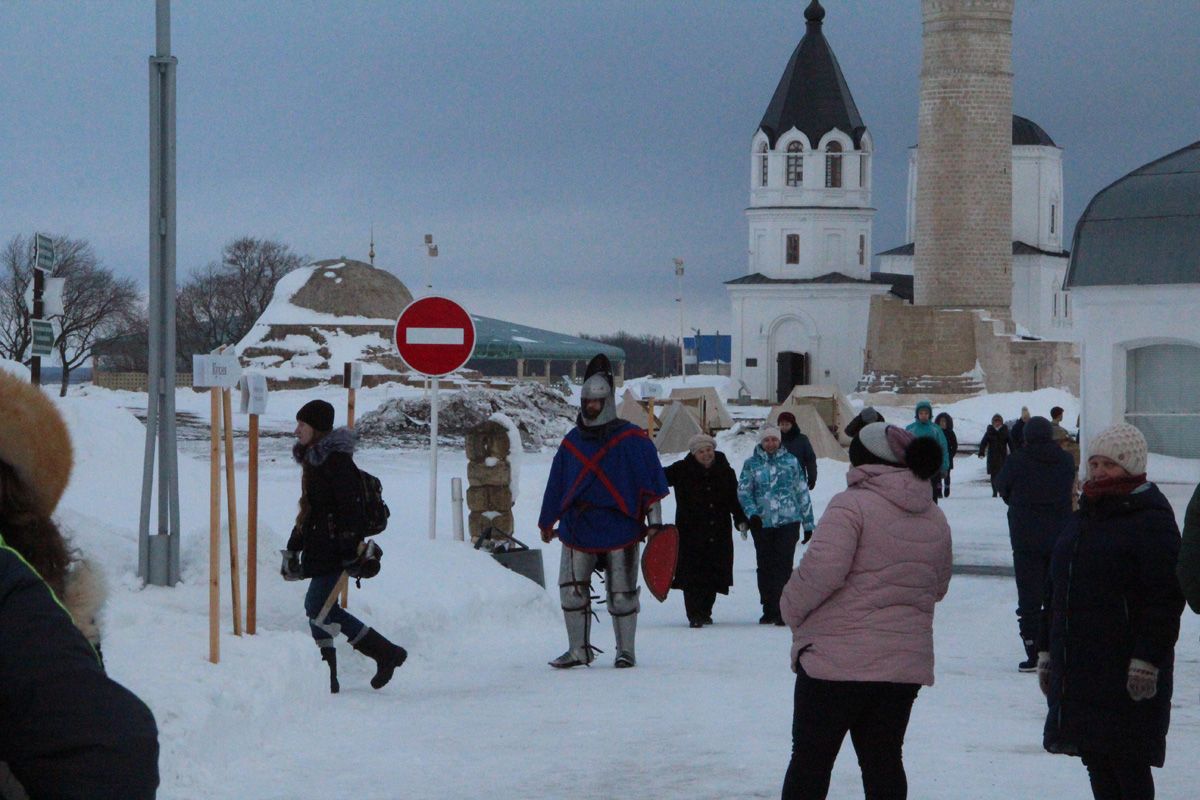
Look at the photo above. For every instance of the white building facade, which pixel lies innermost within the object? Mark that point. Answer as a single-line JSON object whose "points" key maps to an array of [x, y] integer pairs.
{"points": [[800, 313], [1134, 282]]}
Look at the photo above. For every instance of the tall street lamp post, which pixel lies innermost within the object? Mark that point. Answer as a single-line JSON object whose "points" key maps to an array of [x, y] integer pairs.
{"points": [[679, 299]]}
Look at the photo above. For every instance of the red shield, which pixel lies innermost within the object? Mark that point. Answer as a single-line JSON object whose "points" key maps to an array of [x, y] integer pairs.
{"points": [[658, 561]]}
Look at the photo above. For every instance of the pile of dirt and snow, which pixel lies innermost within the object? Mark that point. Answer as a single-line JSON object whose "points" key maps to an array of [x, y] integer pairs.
{"points": [[541, 415]]}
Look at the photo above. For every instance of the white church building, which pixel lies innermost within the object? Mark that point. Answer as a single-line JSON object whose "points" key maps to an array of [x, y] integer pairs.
{"points": [[800, 313], [1040, 308], [1135, 285]]}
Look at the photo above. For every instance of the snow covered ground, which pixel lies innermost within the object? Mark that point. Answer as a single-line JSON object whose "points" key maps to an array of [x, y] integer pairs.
{"points": [[475, 712]]}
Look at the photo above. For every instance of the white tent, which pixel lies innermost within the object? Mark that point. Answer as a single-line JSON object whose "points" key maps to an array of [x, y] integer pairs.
{"points": [[705, 398], [829, 402], [811, 425], [633, 410], [679, 425]]}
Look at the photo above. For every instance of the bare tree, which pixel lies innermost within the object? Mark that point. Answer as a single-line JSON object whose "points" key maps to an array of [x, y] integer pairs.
{"points": [[221, 301], [16, 272]]}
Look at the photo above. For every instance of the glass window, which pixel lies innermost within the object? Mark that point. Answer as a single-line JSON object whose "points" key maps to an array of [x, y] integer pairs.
{"points": [[751, 362], [1053, 216], [833, 165], [862, 171], [1162, 397], [793, 248], [795, 164], [762, 178], [862, 249]]}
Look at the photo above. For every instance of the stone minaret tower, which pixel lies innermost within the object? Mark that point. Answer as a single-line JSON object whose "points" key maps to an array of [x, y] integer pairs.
{"points": [[963, 254]]}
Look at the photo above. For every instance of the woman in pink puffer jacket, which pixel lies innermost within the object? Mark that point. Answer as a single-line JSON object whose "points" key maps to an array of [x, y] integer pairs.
{"points": [[860, 606]]}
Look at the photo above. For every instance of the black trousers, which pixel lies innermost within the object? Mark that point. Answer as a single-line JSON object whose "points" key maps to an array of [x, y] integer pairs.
{"points": [[699, 603], [1117, 778], [775, 551], [1031, 567], [876, 716]]}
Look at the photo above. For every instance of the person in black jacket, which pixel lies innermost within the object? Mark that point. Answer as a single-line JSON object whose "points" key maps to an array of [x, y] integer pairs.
{"points": [[796, 443], [328, 537], [66, 729], [705, 500], [995, 445], [1037, 483], [946, 423], [1109, 625]]}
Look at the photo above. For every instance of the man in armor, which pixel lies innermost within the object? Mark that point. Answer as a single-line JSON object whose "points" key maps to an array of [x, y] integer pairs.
{"points": [[605, 485]]}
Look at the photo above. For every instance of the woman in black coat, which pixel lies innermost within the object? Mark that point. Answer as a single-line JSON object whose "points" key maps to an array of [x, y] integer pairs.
{"points": [[705, 501], [1107, 639], [942, 481], [996, 444], [327, 539]]}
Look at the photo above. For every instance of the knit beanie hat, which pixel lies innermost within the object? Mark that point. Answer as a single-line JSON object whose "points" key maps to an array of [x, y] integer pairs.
{"points": [[318, 414], [885, 441], [786, 416], [769, 431], [1124, 444], [864, 418], [1038, 429], [700, 441]]}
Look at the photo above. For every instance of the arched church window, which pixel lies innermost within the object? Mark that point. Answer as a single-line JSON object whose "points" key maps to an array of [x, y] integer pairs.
{"points": [[793, 248], [1053, 217], [762, 169], [795, 164], [833, 165], [862, 171]]}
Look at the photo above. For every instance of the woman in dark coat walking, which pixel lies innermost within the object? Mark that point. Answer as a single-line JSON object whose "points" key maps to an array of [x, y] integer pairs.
{"points": [[1037, 484], [996, 445], [705, 500], [327, 539], [1108, 674], [946, 423]]}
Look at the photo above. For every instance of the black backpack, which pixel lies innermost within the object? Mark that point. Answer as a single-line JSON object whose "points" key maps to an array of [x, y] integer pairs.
{"points": [[375, 511]]}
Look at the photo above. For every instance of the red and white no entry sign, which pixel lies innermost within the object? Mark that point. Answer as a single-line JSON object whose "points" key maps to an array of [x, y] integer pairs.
{"points": [[435, 336]]}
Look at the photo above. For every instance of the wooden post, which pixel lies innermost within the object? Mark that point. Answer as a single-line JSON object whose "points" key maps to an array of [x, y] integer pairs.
{"points": [[252, 530], [344, 600], [350, 410], [650, 421], [214, 528], [235, 573]]}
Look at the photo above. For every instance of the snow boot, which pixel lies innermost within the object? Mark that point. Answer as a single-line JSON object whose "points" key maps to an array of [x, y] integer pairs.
{"points": [[387, 656], [1030, 662], [329, 656]]}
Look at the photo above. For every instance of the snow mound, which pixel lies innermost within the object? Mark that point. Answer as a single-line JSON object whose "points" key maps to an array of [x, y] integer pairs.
{"points": [[542, 416]]}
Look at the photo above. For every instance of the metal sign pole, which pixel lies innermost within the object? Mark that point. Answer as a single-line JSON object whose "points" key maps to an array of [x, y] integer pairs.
{"points": [[433, 447]]}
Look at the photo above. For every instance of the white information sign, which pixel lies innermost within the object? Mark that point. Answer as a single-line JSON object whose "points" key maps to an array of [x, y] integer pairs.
{"points": [[254, 393], [219, 371], [352, 374], [654, 390]]}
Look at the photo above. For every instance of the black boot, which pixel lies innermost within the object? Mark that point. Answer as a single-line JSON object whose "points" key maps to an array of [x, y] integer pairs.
{"points": [[1030, 662], [387, 656], [329, 656]]}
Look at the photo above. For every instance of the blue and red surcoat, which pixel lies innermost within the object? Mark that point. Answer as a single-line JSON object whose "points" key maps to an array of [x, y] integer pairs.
{"points": [[601, 484]]}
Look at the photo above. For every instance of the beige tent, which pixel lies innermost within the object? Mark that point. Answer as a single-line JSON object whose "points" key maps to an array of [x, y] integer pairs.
{"points": [[811, 425], [708, 402], [830, 403], [633, 410], [679, 425]]}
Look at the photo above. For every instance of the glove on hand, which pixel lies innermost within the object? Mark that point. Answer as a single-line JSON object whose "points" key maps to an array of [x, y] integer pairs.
{"points": [[290, 568], [1043, 672], [1143, 680], [756, 524], [807, 536], [547, 535]]}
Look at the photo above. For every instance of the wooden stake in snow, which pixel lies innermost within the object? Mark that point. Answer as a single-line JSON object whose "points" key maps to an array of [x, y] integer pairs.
{"points": [[214, 529], [253, 388], [351, 379], [235, 573]]}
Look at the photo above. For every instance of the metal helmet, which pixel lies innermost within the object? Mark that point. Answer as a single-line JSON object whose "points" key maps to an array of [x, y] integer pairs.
{"points": [[598, 385]]}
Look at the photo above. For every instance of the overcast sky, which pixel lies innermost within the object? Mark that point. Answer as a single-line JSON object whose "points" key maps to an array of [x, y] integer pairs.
{"points": [[561, 153]]}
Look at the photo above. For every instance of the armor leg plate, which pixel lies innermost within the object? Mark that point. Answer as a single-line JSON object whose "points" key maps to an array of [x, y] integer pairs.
{"points": [[623, 602], [575, 592]]}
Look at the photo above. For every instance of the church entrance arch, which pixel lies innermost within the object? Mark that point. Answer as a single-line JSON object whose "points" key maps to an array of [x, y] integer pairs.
{"points": [[793, 343], [791, 369]]}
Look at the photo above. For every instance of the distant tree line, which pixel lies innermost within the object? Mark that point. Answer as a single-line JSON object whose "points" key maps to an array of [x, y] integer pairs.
{"points": [[644, 354], [106, 316]]}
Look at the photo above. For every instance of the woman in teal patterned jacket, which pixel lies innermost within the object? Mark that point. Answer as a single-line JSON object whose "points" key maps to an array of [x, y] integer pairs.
{"points": [[773, 493]]}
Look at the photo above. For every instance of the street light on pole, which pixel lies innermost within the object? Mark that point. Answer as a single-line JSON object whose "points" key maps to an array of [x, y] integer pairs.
{"points": [[679, 299]]}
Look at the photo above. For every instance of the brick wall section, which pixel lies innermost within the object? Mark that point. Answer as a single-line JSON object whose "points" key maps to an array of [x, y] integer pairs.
{"points": [[963, 255], [918, 340]]}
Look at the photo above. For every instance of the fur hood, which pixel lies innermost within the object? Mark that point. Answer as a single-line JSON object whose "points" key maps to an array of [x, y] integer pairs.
{"points": [[83, 596], [34, 441], [339, 440]]}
